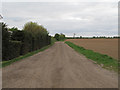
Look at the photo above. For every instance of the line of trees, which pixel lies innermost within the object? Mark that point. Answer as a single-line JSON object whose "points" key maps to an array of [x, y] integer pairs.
{"points": [[19, 42], [59, 37], [94, 37]]}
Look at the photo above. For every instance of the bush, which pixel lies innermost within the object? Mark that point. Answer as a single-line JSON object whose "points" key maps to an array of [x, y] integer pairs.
{"points": [[17, 35], [59, 37], [36, 36], [14, 49], [16, 42], [5, 41]]}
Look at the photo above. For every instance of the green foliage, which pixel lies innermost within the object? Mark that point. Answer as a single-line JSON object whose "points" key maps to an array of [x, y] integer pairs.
{"points": [[59, 37], [19, 42], [6, 63], [53, 40], [10, 49], [17, 35], [62, 36], [94, 37], [5, 41], [13, 29], [107, 61], [36, 36], [14, 49]]}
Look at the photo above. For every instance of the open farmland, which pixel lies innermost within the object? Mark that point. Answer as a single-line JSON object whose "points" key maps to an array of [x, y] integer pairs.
{"points": [[103, 46]]}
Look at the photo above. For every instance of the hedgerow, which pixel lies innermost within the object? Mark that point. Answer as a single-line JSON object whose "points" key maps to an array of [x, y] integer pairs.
{"points": [[20, 42]]}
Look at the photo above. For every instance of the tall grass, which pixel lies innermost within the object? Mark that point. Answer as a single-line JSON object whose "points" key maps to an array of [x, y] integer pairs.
{"points": [[101, 59]]}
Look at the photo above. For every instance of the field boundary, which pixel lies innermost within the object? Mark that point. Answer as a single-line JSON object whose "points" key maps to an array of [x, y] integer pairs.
{"points": [[6, 63], [105, 61]]}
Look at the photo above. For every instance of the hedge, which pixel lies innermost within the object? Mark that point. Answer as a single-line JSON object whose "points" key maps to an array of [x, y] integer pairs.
{"points": [[20, 42], [14, 49]]}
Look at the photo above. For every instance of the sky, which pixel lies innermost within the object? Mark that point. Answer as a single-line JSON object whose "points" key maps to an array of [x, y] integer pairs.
{"points": [[86, 18]]}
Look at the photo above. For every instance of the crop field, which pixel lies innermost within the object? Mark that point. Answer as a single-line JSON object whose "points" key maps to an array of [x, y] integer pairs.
{"points": [[103, 46]]}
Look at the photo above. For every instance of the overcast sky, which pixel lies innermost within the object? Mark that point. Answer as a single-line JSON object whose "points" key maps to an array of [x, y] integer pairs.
{"points": [[82, 18]]}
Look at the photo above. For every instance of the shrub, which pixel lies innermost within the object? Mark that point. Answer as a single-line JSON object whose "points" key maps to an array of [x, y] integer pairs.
{"points": [[14, 49], [59, 37], [36, 36], [17, 35], [5, 41], [16, 42]]}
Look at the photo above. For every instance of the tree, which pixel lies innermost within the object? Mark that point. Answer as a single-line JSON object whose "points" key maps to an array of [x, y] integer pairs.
{"points": [[13, 29], [80, 36], [57, 36], [19, 42], [62, 36], [36, 36]]}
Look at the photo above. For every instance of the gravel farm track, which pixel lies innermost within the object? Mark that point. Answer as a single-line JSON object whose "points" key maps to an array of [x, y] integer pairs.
{"points": [[57, 67]]}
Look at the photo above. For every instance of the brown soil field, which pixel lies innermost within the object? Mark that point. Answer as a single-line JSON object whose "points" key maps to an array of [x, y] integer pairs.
{"points": [[103, 46]]}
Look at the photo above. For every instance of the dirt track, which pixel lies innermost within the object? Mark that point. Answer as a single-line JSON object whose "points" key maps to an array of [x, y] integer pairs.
{"points": [[57, 67]]}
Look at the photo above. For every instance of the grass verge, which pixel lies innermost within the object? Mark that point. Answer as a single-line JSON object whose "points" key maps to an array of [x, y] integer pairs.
{"points": [[104, 60], [6, 63]]}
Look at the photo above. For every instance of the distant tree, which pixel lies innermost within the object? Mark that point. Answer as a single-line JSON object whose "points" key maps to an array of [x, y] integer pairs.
{"points": [[80, 36], [13, 29], [116, 37], [57, 36], [61, 36]]}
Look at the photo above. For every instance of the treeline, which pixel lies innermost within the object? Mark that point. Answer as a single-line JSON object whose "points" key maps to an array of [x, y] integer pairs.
{"points": [[19, 42], [94, 37], [59, 37]]}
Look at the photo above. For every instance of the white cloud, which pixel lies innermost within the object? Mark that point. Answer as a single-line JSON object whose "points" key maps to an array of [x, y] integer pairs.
{"points": [[83, 18], [76, 18], [60, 1]]}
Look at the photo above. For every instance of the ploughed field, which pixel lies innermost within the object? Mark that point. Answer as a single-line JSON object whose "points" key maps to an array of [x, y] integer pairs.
{"points": [[103, 46]]}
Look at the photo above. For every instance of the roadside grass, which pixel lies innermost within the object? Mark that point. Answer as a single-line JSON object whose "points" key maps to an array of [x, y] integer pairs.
{"points": [[6, 63], [105, 61]]}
